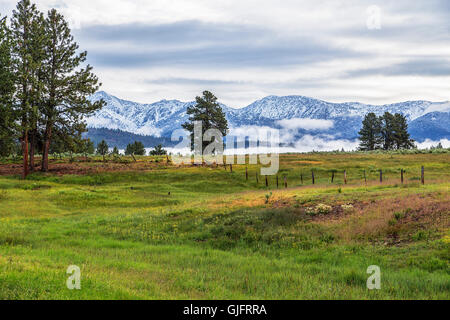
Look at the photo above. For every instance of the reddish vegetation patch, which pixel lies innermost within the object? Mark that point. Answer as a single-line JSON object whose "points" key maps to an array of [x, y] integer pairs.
{"points": [[394, 221], [281, 203], [84, 167], [426, 215]]}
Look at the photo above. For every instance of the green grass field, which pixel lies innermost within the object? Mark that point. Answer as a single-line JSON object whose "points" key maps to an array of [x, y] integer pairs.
{"points": [[163, 232]]}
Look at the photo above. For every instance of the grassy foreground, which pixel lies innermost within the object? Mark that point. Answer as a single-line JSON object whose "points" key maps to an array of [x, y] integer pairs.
{"points": [[156, 231]]}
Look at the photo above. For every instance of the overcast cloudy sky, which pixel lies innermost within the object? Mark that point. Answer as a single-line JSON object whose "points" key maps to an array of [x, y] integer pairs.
{"points": [[243, 50]]}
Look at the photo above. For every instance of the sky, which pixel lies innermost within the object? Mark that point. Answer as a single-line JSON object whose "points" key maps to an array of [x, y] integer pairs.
{"points": [[243, 50]]}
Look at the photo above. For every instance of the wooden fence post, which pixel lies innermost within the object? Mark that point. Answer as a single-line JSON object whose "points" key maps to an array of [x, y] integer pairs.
{"points": [[365, 179], [277, 181], [422, 176], [231, 168], [401, 175], [345, 176], [381, 176], [246, 174], [285, 182], [332, 176], [301, 177], [267, 182], [312, 176], [257, 181]]}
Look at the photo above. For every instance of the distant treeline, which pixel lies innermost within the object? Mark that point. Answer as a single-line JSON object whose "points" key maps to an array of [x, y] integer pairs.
{"points": [[120, 139]]}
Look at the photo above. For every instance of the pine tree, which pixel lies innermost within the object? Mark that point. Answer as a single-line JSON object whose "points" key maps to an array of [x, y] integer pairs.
{"points": [[208, 111], [115, 151], [139, 148], [129, 149], [136, 148], [7, 120], [26, 26], [38, 54], [388, 131], [67, 85], [158, 151], [401, 136], [370, 133], [102, 149], [87, 147], [58, 146]]}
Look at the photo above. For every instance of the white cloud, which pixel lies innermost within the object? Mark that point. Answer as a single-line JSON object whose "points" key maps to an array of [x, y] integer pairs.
{"points": [[309, 143], [250, 131], [430, 143], [305, 123], [409, 30]]}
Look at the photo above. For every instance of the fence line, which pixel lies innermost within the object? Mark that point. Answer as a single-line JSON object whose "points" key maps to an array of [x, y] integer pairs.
{"points": [[345, 177]]}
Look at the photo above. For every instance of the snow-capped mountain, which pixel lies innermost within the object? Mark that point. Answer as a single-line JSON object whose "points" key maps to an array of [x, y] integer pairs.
{"points": [[155, 119], [427, 119]]}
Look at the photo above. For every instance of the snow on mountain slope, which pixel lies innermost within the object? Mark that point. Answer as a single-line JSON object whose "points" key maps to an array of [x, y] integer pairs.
{"points": [[132, 116], [163, 117], [287, 107]]}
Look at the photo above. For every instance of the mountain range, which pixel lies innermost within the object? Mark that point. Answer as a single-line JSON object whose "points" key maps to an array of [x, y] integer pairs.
{"points": [[298, 115]]}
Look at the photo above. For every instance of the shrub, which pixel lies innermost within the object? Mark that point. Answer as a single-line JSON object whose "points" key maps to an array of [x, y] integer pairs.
{"points": [[268, 195], [323, 208], [392, 222], [420, 235], [319, 209], [347, 207], [398, 215]]}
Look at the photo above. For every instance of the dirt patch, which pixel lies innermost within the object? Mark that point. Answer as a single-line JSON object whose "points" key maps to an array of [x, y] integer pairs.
{"points": [[80, 167]]}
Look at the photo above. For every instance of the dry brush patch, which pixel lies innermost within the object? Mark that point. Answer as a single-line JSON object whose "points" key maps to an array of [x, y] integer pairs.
{"points": [[396, 220], [86, 167]]}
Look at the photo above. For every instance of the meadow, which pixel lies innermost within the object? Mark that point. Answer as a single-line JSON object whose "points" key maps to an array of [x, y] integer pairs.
{"points": [[153, 230]]}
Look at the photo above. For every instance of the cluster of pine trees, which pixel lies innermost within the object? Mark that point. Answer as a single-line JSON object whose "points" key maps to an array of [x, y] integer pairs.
{"points": [[387, 132], [44, 85], [136, 148]]}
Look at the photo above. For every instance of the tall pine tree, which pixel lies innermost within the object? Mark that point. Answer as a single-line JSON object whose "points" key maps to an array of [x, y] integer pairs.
{"points": [[26, 25], [388, 130], [7, 121], [402, 138], [67, 84], [370, 133], [209, 113]]}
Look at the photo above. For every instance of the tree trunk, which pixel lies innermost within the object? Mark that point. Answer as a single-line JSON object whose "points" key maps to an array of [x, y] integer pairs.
{"points": [[32, 149], [25, 154], [46, 148]]}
